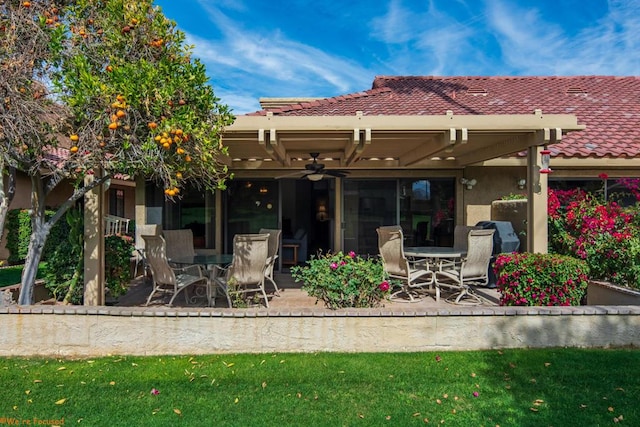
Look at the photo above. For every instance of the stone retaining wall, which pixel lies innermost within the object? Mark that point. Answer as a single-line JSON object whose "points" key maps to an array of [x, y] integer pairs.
{"points": [[79, 331]]}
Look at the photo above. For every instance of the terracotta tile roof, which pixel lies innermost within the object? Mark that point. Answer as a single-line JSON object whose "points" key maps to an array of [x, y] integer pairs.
{"points": [[609, 106]]}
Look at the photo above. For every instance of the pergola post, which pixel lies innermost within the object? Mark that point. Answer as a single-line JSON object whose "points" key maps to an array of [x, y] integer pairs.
{"points": [[94, 245], [537, 228]]}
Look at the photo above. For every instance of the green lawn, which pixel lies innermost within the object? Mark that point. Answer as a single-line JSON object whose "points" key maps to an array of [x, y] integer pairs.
{"points": [[12, 275], [559, 387]]}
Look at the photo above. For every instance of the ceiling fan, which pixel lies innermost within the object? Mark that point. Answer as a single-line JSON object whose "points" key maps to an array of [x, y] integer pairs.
{"points": [[315, 171]]}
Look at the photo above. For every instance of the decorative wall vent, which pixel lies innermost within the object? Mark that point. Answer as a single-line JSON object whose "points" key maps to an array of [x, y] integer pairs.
{"points": [[476, 91]]}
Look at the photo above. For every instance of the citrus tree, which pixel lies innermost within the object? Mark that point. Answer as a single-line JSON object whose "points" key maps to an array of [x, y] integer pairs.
{"points": [[135, 103]]}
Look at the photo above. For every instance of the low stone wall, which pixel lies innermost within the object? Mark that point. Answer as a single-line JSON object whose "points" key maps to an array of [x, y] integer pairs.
{"points": [[97, 331]]}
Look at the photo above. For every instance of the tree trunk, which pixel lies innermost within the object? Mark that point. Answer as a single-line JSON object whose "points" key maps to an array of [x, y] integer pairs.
{"points": [[34, 255]]}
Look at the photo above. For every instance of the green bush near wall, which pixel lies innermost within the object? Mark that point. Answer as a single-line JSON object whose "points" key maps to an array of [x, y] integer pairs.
{"points": [[18, 227]]}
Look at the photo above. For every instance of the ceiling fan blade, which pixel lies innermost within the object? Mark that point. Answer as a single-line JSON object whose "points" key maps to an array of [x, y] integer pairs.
{"points": [[336, 172], [294, 174]]}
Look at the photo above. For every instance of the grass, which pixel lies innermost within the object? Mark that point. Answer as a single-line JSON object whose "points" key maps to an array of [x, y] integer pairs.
{"points": [[12, 275], [548, 387]]}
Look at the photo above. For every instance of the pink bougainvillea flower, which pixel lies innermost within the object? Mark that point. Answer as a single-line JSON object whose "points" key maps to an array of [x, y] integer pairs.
{"points": [[603, 176], [352, 254], [384, 286], [155, 391], [476, 394], [334, 266]]}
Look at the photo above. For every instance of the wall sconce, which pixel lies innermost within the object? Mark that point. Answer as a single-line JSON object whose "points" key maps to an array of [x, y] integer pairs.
{"points": [[469, 183], [264, 190], [522, 183], [545, 159]]}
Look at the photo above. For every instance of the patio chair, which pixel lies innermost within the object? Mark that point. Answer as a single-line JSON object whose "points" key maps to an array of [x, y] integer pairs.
{"points": [[460, 242], [165, 278], [246, 274], [144, 230], [274, 247], [414, 276], [179, 243], [471, 270]]}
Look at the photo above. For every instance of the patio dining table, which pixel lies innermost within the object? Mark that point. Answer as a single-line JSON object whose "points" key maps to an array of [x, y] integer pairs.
{"points": [[435, 255]]}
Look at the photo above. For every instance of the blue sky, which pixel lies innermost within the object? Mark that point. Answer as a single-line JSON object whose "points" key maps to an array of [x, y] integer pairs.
{"points": [[301, 48]]}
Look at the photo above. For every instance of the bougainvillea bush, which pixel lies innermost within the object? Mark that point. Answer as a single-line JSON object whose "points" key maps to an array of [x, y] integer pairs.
{"points": [[344, 280], [604, 234], [532, 279]]}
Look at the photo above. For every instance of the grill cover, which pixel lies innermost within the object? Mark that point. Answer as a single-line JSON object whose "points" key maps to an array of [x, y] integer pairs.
{"points": [[505, 238]]}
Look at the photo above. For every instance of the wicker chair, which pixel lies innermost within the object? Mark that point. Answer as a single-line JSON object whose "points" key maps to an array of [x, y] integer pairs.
{"points": [[473, 269], [165, 278], [414, 276]]}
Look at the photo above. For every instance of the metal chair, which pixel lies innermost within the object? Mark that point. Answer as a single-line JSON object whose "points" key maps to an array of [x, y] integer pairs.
{"points": [[165, 278], [144, 230], [414, 276], [179, 243], [246, 273], [274, 247], [473, 269]]}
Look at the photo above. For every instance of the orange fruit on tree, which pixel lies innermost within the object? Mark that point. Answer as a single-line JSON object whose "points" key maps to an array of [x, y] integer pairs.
{"points": [[180, 150], [152, 125], [109, 68], [120, 98], [113, 125], [74, 137], [187, 158], [26, 4], [179, 175], [74, 149], [121, 113], [114, 118], [166, 145], [179, 132]]}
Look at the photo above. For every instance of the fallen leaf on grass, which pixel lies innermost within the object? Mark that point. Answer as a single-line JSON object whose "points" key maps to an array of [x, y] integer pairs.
{"points": [[534, 409], [177, 411], [236, 400], [112, 383], [416, 414], [610, 408], [27, 392], [61, 368], [264, 384], [37, 381], [61, 401]]}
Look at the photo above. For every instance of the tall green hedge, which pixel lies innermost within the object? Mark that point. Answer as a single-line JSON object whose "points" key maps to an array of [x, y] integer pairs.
{"points": [[18, 228]]}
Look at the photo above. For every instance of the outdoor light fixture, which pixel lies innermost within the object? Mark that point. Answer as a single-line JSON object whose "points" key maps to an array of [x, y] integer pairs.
{"points": [[522, 183], [314, 176], [469, 183], [545, 158]]}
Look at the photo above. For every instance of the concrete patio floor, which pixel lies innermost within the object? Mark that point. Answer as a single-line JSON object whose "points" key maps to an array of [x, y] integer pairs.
{"points": [[291, 297]]}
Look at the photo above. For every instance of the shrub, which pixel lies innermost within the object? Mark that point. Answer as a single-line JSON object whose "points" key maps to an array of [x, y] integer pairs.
{"points": [[117, 252], [529, 279], [604, 234], [64, 274], [344, 280]]}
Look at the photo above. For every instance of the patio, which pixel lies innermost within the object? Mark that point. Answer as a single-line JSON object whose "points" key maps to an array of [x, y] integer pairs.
{"points": [[291, 297]]}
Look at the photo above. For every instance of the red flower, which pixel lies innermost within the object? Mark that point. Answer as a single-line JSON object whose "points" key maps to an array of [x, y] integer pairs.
{"points": [[384, 286], [603, 176]]}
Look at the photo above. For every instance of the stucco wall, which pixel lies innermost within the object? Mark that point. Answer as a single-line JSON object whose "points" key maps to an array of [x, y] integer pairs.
{"points": [[95, 331]]}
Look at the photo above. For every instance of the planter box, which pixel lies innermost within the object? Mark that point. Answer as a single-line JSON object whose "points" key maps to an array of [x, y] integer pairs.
{"points": [[605, 293]]}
